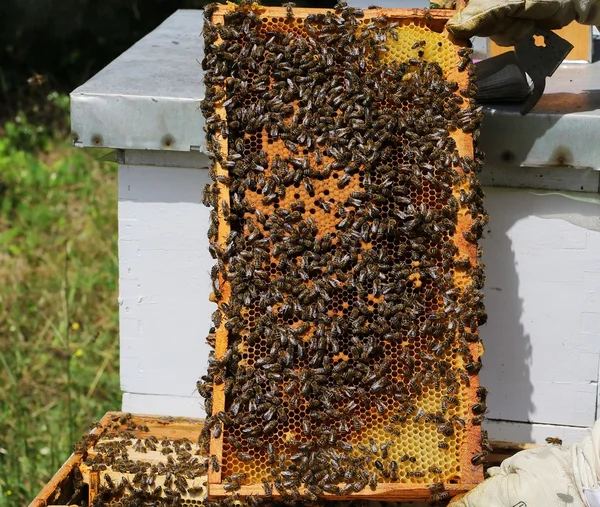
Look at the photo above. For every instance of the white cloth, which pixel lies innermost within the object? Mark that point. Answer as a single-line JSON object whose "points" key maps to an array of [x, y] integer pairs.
{"points": [[547, 476], [508, 21]]}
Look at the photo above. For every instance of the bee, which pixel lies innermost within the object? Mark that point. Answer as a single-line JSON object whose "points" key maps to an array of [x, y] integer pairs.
{"points": [[465, 379], [419, 416], [291, 146], [446, 429], [385, 449], [473, 367], [289, 10], [109, 481], [373, 481], [441, 496], [419, 44], [332, 489], [394, 431], [234, 442], [225, 208], [435, 469], [37, 80], [463, 64], [482, 393], [478, 458], [357, 424], [306, 426], [394, 470], [459, 421], [451, 400], [181, 485], [139, 446], [215, 463], [310, 496], [554, 441], [479, 408], [477, 420], [443, 445], [344, 180], [230, 486], [415, 473], [242, 456], [270, 453], [436, 487], [462, 263], [358, 486], [270, 426]]}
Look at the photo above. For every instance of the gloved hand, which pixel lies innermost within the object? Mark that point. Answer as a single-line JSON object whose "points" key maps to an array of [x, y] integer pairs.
{"points": [[508, 21], [548, 476]]}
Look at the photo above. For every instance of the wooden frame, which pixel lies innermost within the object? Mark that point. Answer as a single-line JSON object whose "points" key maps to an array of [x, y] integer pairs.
{"points": [[470, 475]]}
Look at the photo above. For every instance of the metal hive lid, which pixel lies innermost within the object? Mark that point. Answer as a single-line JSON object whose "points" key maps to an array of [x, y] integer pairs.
{"points": [[148, 97]]}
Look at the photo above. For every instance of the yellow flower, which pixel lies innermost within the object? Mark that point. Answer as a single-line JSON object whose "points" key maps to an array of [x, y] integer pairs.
{"points": [[75, 326], [78, 353], [8, 492]]}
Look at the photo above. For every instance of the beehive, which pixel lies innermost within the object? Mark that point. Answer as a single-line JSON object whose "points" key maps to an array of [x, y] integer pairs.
{"points": [[76, 483], [346, 216]]}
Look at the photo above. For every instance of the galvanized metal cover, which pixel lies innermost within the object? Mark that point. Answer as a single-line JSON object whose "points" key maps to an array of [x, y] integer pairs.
{"points": [[148, 99]]}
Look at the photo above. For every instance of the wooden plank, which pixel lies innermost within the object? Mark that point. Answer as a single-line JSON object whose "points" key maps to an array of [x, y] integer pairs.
{"points": [[384, 492], [221, 335], [470, 474], [503, 450], [164, 404], [302, 12], [57, 483], [533, 433], [577, 34]]}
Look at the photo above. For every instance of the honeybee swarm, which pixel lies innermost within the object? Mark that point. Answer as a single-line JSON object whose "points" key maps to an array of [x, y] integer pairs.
{"points": [[345, 217]]}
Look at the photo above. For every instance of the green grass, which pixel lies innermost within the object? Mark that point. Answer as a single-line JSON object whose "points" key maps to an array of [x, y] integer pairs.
{"points": [[58, 301]]}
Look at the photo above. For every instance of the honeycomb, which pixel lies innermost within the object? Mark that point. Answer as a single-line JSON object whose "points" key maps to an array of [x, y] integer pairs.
{"points": [[346, 214]]}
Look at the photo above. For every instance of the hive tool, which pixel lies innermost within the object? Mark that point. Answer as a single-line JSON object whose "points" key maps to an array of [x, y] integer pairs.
{"points": [[521, 74]]}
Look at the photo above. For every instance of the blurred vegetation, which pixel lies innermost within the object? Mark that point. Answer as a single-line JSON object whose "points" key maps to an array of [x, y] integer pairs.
{"points": [[58, 44], [58, 298]]}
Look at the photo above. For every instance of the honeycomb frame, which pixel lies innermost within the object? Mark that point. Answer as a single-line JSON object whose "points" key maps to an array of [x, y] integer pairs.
{"points": [[415, 489]]}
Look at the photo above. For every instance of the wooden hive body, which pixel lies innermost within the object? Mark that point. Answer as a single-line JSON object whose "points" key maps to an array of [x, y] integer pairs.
{"points": [[422, 426], [83, 478]]}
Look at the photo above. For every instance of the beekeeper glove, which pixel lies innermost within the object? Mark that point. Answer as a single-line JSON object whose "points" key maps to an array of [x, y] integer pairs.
{"points": [[548, 476], [508, 21]]}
